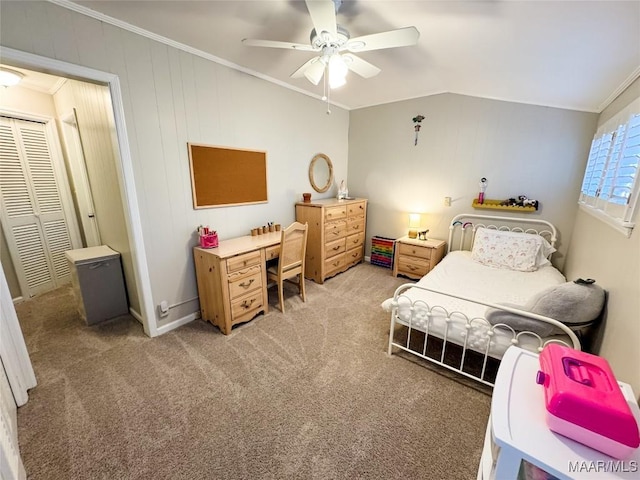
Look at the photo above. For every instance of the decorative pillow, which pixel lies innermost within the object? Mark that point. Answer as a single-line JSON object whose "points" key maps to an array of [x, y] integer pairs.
{"points": [[524, 252], [572, 303]]}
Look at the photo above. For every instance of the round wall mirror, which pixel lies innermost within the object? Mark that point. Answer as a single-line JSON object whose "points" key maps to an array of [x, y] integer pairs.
{"points": [[321, 173]]}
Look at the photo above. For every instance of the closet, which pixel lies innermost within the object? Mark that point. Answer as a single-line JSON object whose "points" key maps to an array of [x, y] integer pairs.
{"points": [[37, 218]]}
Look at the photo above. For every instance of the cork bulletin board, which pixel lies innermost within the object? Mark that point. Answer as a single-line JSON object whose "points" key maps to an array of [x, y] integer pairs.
{"points": [[223, 176]]}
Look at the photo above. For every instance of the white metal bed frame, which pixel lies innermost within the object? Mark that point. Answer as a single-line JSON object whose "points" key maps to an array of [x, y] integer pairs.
{"points": [[461, 236]]}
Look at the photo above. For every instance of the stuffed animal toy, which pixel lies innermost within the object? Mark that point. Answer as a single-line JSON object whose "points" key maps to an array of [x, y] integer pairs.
{"points": [[522, 201]]}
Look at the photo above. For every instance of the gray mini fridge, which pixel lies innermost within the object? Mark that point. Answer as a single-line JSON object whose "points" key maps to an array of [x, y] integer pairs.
{"points": [[98, 283]]}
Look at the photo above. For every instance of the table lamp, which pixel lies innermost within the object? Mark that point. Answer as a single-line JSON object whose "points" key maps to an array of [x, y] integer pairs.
{"points": [[414, 224]]}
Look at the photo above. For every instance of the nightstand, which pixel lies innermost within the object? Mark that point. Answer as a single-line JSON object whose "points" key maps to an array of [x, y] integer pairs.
{"points": [[415, 258]]}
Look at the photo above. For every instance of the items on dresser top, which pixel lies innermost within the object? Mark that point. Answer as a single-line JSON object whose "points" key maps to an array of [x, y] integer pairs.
{"points": [[336, 235]]}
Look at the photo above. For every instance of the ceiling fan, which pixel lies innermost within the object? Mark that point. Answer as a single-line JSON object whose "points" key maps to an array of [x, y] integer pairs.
{"points": [[335, 47]]}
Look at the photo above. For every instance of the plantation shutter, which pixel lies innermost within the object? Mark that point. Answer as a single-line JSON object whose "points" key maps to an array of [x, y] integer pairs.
{"points": [[33, 213]]}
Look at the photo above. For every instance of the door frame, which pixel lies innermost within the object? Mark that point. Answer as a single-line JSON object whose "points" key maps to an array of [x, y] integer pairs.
{"points": [[124, 166], [62, 181]]}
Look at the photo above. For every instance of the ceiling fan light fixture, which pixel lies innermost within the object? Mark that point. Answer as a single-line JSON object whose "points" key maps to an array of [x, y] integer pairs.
{"points": [[337, 71], [9, 78]]}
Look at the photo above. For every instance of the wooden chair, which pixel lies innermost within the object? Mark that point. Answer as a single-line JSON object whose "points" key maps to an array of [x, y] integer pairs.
{"points": [[293, 246]]}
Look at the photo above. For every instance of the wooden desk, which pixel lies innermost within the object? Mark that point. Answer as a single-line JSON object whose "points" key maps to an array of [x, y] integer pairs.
{"points": [[232, 279]]}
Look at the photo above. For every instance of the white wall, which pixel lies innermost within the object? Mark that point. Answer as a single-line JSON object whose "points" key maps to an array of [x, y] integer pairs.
{"points": [[600, 252], [170, 98], [521, 149]]}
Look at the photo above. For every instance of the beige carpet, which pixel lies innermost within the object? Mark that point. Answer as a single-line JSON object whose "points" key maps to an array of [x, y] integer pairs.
{"points": [[311, 395]]}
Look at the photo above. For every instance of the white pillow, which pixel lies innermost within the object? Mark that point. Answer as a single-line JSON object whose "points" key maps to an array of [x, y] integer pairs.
{"points": [[523, 252]]}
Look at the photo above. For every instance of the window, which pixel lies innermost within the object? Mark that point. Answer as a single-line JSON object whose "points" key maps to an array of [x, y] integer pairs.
{"points": [[610, 186]]}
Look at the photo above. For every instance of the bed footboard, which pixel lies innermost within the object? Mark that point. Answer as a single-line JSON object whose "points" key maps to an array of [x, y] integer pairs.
{"points": [[470, 346]]}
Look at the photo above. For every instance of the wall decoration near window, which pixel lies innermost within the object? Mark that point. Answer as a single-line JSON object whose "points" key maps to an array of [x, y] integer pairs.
{"points": [[223, 176]]}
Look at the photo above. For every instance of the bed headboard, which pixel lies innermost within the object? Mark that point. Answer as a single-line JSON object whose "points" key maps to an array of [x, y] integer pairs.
{"points": [[462, 229]]}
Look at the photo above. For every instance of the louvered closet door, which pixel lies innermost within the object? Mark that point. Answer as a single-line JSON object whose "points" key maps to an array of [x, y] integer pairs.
{"points": [[33, 215]]}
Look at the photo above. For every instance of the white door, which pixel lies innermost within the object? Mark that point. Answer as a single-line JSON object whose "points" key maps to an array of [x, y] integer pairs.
{"points": [[33, 215], [80, 180]]}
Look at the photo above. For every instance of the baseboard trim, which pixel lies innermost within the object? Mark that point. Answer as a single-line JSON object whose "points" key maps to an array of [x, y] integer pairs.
{"points": [[17, 300], [178, 323]]}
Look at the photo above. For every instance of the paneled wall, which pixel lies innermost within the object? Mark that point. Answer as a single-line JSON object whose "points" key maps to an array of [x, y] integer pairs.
{"points": [[521, 149], [172, 97], [96, 125]]}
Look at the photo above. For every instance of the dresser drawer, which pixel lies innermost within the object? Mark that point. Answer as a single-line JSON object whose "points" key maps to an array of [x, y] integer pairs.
{"points": [[356, 209], [334, 263], [354, 241], [415, 251], [335, 213], [242, 307], [412, 266], [243, 261], [355, 224], [334, 248], [335, 230], [353, 256], [246, 284]]}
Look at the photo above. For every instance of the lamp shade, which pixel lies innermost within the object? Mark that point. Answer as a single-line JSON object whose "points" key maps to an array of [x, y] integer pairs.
{"points": [[414, 224], [414, 220]]}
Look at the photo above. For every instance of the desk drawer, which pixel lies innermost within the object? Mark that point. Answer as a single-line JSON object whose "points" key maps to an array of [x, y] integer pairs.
{"points": [[241, 307], [415, 251], [246, 284], [243, 261], [335, 213], [272, 252]]}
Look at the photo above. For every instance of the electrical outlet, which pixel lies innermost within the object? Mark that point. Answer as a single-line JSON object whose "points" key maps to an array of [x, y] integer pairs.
{"points": [[447, 201], [163, 308]]}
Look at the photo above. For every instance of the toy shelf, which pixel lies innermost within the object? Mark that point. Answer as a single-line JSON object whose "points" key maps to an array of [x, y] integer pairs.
{"points": [[495, 205]]}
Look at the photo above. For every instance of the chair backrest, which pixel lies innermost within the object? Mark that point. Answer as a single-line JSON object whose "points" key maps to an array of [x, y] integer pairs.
{"points": [[293, 246]]}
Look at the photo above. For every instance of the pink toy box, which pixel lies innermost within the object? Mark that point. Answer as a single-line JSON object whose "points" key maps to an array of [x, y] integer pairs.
{"points": [[584, 401]]}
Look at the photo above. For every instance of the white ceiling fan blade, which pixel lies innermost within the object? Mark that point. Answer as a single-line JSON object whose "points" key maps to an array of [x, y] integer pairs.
{"points": [[323, 16], [275, 44], [312, 70], [360, 66], [402, 37]]}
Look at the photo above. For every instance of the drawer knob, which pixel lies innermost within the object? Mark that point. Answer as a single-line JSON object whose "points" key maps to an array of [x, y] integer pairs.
{"points": [[246, 285], [336, 248]]}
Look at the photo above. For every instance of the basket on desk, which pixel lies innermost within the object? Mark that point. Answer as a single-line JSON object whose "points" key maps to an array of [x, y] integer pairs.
{"points": [[209, 240]]}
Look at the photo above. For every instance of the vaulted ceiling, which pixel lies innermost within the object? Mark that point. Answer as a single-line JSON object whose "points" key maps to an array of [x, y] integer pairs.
{"points": [[568, 54]]}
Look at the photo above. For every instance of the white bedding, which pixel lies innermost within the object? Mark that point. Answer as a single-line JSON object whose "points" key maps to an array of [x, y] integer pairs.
{"points": [[458, 274]]}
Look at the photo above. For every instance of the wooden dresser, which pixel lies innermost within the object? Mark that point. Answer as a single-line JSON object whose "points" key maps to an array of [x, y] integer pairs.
{"points": [[336, 235], [232, 279]]}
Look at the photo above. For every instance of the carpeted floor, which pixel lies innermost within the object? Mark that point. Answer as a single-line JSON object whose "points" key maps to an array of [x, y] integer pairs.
{"points": [[310, 394]]}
